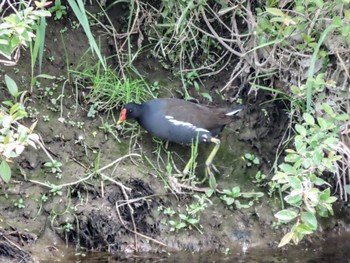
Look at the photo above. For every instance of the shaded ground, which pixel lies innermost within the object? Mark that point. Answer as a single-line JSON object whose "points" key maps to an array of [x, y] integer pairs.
{"points": [[95, 213]]}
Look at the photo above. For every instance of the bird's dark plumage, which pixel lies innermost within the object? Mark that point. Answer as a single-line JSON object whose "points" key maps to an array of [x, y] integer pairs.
{"points": [[179, 121], [182, 122]]}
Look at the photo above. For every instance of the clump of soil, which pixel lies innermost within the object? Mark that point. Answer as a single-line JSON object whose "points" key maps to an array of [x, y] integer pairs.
{"points": [[103, 229], [10, 250]]}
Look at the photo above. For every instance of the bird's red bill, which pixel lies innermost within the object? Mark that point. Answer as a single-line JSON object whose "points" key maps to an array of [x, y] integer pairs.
{"points": [[122, 117]]}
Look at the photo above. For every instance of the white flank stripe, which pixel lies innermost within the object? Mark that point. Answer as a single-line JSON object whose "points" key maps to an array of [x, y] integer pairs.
{"points": [[231, 113], [185, 124]]}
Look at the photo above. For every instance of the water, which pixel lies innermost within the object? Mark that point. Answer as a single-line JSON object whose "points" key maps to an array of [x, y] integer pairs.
{"points": [[333, 249]]}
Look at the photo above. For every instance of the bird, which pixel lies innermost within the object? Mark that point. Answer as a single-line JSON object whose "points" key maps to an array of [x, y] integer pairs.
{"points": [[182, 122]]}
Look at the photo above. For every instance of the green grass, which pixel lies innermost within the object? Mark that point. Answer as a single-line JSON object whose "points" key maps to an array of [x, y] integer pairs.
{"points": [[79, 10], [107, 90]]}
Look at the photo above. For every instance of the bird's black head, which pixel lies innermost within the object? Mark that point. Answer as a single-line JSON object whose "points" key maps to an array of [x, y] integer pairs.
{"points": [[130, 111]]}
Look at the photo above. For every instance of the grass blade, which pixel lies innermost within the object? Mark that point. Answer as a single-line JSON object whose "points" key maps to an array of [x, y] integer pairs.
{"points": [[312, 67], [41, 38], [79, 11]]}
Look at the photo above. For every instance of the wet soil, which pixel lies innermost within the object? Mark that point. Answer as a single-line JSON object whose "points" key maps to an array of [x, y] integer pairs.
{"points": [[98, 214]]}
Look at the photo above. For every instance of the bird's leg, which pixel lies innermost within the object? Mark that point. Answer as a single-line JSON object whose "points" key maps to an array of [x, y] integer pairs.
{"points": [[208, 162]]}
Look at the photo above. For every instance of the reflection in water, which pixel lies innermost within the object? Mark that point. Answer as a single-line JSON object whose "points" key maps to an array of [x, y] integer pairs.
{"points": [[335, 249]]}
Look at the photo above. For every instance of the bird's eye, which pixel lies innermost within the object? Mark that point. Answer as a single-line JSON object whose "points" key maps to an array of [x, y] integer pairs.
{"points": [[130, 111]]}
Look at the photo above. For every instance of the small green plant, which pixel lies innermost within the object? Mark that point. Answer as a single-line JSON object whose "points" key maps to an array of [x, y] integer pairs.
{"points": [[307, 194], [251, 159], [68, 227], [17, 30], [58, 9], [260, 178], [19, 203], [109, 129], [32, 112], [231, 197], [55, 189], [92, 111], [14, 137], [43, 199], [187, 220], [192, 78], [46, 118], [54, 166]]}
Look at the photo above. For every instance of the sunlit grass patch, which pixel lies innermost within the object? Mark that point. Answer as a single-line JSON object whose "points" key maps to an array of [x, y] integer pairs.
{"points": [[107, 90]]}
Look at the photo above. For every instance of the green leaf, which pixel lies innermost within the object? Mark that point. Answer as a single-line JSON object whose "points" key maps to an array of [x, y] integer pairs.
{"points": [[323, 123], [294, 200], [313, 195], [207, 96], [331, 141], [309, 219], [275, 12], [322, 211], [193, 221], [286, 215], [181, 225], [296, 90], [295, 183], [328, 109], [11, 85], [337, 21], [285, 186], [212, 182], [287, 168], [264, 23], [286, 239], [48, 164], [236, 191], [79, 10], [183, 216], [342, 117], [329, 208], [209, 192], [5, 171], [279, 176], [309, 119], [301, 130], [228, 200], [319, 181], [292, 158], [331, 200], [317, 158], [241, 206], [248, 156], [304, 229], [307, 162], [319, 3]]}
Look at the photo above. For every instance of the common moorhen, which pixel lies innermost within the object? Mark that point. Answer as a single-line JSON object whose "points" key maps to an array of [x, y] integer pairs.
{"points": [[181, 121]]}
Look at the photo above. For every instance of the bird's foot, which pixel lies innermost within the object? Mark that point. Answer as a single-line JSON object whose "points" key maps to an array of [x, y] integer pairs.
{"points": [[209, 174], [185, 176], [175, 185]]}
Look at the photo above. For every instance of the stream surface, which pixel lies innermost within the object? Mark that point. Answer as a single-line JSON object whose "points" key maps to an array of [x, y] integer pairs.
{"points": [[333, 249]]}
